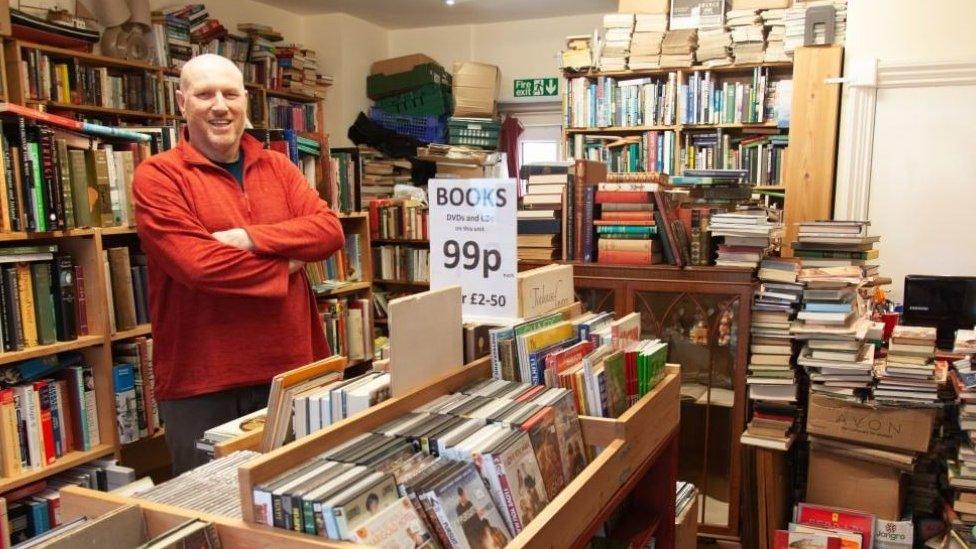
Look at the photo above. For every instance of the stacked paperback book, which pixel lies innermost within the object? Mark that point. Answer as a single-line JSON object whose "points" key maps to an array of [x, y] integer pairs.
{"points": [[645, 43], [837, 244], [714, 47], [617, 31], [772, 379], [468, 469], [909, 373], [678, 48], [961, 512], [837, 358], [578, 53], [795, 20], [748, 39], [542, 210], [748, 235], [775, 25]]}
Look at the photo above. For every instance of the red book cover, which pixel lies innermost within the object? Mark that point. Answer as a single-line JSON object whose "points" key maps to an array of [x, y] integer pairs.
{"points": [[81, 301], [630, 368], [636, 223], [68, 410], [42, 116], [622, 197], [374, 216], [622, 257], [47, 425], [530, 394], [627, 216], [560, 360], [832, 517]]}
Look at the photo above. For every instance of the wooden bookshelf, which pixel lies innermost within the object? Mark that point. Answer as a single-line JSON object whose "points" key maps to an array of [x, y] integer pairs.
{"points": [[67, 461], [54, 348], [94, 109], [420, 242], [733, 68], [413, 283], [138, 331]]}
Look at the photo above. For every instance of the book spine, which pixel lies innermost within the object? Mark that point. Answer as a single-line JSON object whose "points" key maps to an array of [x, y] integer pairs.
{"points": [[12, 288], [81, 301], [57, 426], [27, 184], [63, 290], [262, 506], [63, 169], [27, 309], [14, 205], [506, 488], [44, 426], [51, 181], [442, 523], [587, 226]]}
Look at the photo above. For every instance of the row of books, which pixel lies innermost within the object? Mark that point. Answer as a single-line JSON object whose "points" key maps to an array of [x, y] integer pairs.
{"points": [[961, 466], [341, 268], [136, 407], [398, 219], [601, 360], [51, 413], [607, 101], [293, 115], [64, 79], [651, 151], [33, 513], [381, 173], [541, 217], [55, 179], [42, 297], [404, 263], [323, 404], [490, 458], [346, 169], [760, 152], [348, 327], [126, 287]]}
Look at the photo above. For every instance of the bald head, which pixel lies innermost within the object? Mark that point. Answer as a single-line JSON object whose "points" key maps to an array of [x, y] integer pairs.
{"points": [[213, 100], [208, 63]]}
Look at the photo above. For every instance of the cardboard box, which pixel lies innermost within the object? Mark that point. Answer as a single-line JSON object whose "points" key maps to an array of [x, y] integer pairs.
{"points": [[475, 89], [841, 481], [883, 426], [643, 6], [758, 4], [399, 64]]}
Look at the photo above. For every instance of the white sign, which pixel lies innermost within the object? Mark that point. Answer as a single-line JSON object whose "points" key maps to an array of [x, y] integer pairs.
{"points": [[473, 244]]}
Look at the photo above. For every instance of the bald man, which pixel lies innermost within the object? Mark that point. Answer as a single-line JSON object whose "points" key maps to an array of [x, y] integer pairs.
{"points": [[227, 227]]}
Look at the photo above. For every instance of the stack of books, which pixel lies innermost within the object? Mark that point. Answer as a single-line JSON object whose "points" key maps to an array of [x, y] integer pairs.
{"points": [[678, 48], [617, 30], [909, 373], [348, 327], [578, 53], [300, 70], [748, 40], [835, 354], [795, 20], [381, 174], [176, 22], [748, 235], [962, 465], [232, 429], [775, 25], [626, 231], [837, 244], [341, 268], [714, 47], [645, 44], [542, 212], [772, 380]]}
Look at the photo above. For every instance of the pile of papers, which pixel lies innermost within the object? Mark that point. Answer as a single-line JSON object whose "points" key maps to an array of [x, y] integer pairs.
{"points": [[748, 41], [678, 48], [617, 30], [578, 53]]}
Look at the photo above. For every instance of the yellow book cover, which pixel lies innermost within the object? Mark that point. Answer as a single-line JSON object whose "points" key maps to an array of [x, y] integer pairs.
{"points": [[27, 312], [10, 451], [548, 336]]}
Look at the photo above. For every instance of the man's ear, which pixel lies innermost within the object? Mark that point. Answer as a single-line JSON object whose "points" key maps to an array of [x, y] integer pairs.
{"points": [[181, 101]]}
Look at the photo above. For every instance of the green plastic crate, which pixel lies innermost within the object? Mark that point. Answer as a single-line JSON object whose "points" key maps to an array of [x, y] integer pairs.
{"points": [[473, 132], [379, 86], [427, 100]]}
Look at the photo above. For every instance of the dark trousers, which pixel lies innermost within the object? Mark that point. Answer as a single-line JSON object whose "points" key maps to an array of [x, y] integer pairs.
{"points": [[186, 419]]}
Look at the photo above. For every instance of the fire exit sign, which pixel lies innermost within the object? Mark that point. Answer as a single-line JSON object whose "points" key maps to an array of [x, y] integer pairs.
{"points": [[536, 87]]}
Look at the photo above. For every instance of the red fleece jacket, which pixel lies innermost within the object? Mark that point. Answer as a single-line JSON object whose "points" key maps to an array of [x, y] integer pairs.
{"points": [[224, 317]]}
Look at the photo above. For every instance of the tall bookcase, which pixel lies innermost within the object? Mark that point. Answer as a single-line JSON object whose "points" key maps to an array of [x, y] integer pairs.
{"points": [[806, 191], [87, 244]]}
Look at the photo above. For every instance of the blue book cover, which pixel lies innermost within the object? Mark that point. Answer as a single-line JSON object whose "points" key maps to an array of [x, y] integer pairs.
{"points": [[37, 517], [126, 421], [816, 307]]}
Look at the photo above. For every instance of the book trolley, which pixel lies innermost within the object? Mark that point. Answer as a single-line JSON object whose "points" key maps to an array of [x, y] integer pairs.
{"points": [[636, 454]]}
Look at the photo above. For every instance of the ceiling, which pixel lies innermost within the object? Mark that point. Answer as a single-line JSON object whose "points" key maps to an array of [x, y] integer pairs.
{"points": [[401, 14]]}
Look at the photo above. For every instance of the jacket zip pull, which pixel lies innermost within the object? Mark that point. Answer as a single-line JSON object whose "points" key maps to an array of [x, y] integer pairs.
{"points": [[247, 205]]}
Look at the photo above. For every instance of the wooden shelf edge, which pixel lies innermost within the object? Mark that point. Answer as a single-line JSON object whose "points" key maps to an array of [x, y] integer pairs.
{"points": [[347, 289], [96, 109], [54, 348], [400, 282], [117, 230], [24, 236], [400, 241], [72, 459], [141, 330], [590, 73]]}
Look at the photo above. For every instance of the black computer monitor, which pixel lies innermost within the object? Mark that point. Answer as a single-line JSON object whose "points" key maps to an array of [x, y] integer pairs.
{"points": [[946, 302]]}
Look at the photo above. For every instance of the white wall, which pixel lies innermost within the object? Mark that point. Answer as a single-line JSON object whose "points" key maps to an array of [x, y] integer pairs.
{"points": [[346, 46], [921, 196], [521, 49]]}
